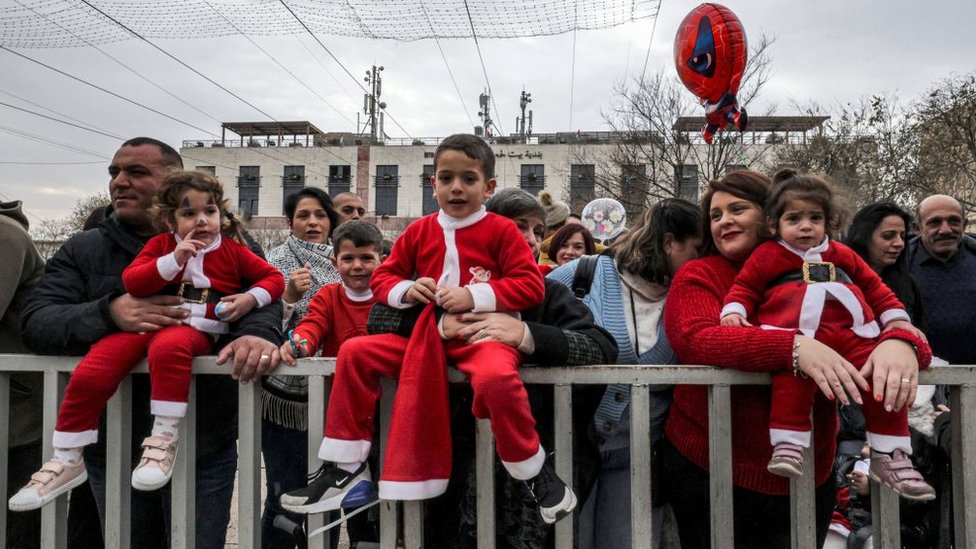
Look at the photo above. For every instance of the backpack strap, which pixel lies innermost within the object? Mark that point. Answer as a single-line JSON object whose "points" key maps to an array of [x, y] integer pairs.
{"points": [[583, 278]]}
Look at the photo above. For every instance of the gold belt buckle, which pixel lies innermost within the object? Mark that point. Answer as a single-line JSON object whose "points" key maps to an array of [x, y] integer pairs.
{"points": [[819, 271], [204, 293]]}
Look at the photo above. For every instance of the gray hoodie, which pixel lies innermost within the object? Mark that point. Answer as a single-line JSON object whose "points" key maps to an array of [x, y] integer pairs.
{"points": [[20, 268]]}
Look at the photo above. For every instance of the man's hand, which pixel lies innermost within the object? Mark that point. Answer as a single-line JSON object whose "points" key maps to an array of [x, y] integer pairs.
{"points": [[235, 306], [253, 357], [456, 300], [187, 248], [146, 314], [422, 291]]}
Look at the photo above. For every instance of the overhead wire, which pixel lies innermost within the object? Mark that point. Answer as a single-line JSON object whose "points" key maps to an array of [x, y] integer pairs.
{"points": [[120, 63], [483, 69], [48, 109], [58, 120], [572, 70], [336, 59], [282, 66], [52, 142], [437, 40], [18, 163], [650, 42]]}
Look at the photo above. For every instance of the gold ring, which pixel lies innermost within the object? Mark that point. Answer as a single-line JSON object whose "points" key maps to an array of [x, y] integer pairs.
{"points": [[265, 357], [481, 334], [906, 380]]}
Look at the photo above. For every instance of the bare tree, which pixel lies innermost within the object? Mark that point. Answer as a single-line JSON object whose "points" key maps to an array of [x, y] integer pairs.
{"points": [[648, 153], [946, 128], [869, 148], [60, 229]]}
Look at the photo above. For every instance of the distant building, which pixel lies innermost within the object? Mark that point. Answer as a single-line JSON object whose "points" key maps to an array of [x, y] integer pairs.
{"points": [[267, 161]]}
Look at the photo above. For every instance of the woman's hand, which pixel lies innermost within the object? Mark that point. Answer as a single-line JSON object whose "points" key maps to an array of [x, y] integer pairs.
{"points": [[835, 376], [500, 327], [908, 327], [893, 369], [299, 282]]}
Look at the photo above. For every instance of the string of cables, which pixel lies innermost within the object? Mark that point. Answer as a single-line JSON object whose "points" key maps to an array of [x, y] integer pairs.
{"points": [[28, 23]]}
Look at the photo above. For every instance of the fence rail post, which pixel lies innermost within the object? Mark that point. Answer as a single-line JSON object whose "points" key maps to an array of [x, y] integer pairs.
{"points": [[4, 449], [118, 467], [249, 465], [963, 405], [720, 465], [183, 486], [54, 516], [640, 475], [564, 435]]}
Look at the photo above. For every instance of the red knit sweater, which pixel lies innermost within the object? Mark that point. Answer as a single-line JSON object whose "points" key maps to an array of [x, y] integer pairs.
{"points": [[332, 319], [692, 323]]}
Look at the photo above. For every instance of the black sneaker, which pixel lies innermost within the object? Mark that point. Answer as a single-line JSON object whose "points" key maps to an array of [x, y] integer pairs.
{"points": [[331, 488], [555, 499]]}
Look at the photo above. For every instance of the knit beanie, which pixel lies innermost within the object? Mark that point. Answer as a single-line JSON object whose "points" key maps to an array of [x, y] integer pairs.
{"points": [[556, 211]]}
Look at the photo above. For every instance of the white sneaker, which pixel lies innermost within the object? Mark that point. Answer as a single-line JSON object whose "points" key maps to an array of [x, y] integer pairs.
{"points": [[156, 466], [54, 478]]}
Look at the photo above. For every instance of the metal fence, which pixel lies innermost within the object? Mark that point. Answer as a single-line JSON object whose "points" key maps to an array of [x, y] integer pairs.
{"points": [[406, 528]]}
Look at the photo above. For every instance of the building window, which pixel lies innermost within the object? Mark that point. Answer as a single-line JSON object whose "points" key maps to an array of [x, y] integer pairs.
{"points": [[292, 181], [633, 186], [533, 178], [248, 187], [338, 180], [430, 201], [212, 170], [686, 182], [387, 182], [582, 180]]}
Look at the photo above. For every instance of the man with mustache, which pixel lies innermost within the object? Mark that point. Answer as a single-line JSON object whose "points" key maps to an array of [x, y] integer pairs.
{"points": [[81, 298], [943, 261]]}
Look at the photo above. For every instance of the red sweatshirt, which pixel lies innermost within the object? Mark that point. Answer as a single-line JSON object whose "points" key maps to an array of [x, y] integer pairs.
{"points": [[333, 318], [692, 323]]}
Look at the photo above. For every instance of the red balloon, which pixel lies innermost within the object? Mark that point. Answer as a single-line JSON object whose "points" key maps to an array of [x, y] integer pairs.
{"points": [[710, 54]]}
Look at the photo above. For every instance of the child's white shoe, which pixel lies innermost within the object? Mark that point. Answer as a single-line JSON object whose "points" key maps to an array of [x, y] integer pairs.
{"points": [[156, 466], [53, 479]]}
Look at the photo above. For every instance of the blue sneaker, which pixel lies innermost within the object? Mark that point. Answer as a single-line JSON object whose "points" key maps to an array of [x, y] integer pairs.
{"points": [[331, 488]]}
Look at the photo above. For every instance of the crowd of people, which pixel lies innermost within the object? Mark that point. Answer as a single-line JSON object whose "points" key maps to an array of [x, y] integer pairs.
{"points": [[764, 276]]}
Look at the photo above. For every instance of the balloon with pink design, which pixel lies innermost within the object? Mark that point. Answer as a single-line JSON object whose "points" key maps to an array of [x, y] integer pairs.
{"points": [[605, 218]]}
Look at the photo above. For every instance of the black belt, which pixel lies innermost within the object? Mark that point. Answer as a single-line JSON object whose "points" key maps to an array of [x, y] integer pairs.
{"points": [[192, 294], [812, 273]]}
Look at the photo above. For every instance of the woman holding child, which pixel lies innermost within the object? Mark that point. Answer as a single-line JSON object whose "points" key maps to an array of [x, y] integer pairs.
{"points": [[627, 296], [304, 261], [734, 226]]}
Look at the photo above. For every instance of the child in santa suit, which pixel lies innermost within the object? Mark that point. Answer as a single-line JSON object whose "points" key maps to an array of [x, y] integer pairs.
{"points": [[458, 260], [806, 282], [207, 270]]}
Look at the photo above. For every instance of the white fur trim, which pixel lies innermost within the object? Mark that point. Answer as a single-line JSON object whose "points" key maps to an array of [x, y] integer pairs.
{"points": [[261, 295], [395, 297], [412, 491], [893, 314], [526, 469], [344, 451], [167, 267], [194, 267], [484, 297], [733, 309], [800, 438], [839, 529], [889, 443], [167, 408], [358, 297], [62, 439], [451, 271], [813, 254], [811, 309]]}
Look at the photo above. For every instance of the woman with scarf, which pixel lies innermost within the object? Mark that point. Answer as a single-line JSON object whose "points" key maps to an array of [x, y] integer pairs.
{"points": [[304, 260]]}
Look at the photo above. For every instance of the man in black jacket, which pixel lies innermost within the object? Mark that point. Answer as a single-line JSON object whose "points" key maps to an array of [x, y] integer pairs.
{"points": [[81, 298]]}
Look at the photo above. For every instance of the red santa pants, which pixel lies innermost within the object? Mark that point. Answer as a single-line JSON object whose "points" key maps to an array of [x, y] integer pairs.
{"points": [[170, 353], [792, 397], [499, 395]]}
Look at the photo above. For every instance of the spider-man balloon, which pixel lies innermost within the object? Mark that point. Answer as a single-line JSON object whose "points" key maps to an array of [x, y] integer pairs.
{"points": [[710, 54]]}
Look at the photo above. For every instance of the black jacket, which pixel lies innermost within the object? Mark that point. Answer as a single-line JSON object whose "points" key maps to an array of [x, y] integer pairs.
{"points": [[68, 311]]}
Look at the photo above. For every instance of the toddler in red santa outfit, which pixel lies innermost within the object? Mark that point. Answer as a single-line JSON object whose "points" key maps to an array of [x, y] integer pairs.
{"points": [[806, 282], [458, 260], [196, 262]]}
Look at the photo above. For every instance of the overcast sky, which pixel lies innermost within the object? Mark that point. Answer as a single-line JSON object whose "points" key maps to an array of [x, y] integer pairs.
{"points": [[827, 51]]}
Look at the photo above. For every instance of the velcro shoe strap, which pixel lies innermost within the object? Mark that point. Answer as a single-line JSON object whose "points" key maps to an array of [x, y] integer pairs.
{"points": [[903, 470], [156, 442], [788, 451], [155, 454]]}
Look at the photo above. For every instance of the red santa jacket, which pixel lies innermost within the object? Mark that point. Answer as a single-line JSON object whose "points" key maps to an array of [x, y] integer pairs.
{"points": [[225, 266], [333, 317], [484, 251], [798, 304]]}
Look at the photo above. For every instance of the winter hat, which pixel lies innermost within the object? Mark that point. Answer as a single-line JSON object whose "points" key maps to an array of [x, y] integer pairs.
{"points": [[556, 211]]}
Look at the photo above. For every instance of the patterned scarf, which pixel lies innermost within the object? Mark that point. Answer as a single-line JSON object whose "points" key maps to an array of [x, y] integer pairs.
{"points": [[284, 399]]}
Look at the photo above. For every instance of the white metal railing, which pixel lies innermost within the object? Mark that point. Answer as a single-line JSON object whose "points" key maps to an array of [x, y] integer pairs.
{"points": [[961, 379]]}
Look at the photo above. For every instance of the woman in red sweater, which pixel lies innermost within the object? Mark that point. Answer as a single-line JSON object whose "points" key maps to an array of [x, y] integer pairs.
{"points": [[733, 228]]}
